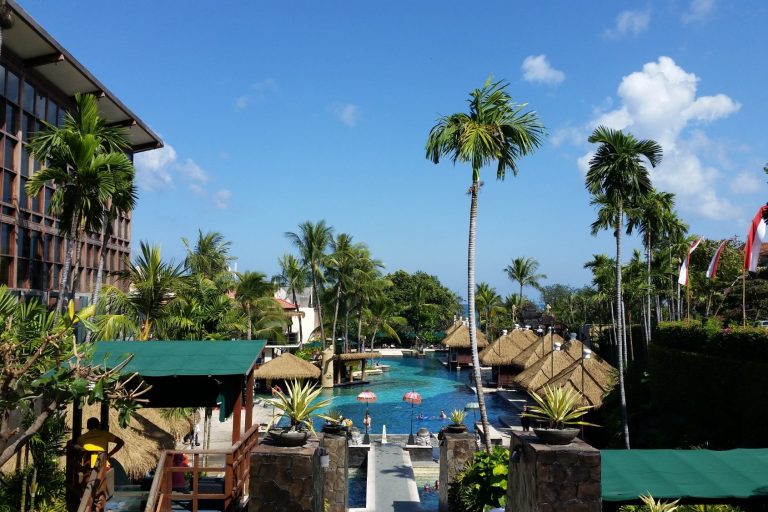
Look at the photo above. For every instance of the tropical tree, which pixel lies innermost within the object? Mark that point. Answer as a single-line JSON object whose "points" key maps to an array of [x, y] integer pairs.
{"points": [[617, 173], [295, 278], [311, 241], [495, 130], [152, 284], [252, 287], [209, 257], [86, 161], [489, 304], [340, 265], [382, 314], [523, 271]]}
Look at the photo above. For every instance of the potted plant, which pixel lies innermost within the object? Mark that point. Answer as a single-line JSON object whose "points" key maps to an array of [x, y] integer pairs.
{"points": [[457, 422], [334, 422], [299, 404], [558, 409]]}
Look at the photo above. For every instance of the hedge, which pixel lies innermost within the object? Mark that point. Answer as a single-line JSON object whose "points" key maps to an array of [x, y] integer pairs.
{"points": [[741, 342]]}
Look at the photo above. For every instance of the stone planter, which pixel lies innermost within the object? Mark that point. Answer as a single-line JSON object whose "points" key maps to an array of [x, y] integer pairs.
{"points": [[286, 437], [556, 436], [456, 429], [338, 430]]}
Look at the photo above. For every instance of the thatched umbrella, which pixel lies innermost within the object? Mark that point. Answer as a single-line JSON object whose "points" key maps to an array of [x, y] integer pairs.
{"points": [[357, 356], [502, 351], [459, 338], [287, 366]]}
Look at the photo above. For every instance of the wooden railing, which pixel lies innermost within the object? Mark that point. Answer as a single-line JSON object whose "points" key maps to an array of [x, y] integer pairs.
{"points": [[96, 494], [236, 470]]}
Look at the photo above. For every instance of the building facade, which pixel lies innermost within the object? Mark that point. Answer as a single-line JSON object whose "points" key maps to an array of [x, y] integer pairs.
{"points": [[38, 81]]}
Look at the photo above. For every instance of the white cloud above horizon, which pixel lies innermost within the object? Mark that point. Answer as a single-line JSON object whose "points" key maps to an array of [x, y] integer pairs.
{"points": [[256, 92], [660, 102], [347, 113], [537, 69], [698, 11], [630, 23], [159, 170], [746, 182]]}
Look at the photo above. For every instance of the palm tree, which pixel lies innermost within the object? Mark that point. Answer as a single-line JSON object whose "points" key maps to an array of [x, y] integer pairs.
{"points": [[340, 265], [495, 130], [296, 278], [616, 172], [86, 161], [252, 286], [523, 270], [209, 256], [152, 285], [382, 314], [488, 303], [311, 242]]}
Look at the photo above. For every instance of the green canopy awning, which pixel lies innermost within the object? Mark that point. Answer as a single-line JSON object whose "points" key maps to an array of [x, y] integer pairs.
{"points": [[688, 474], [185, 373]]}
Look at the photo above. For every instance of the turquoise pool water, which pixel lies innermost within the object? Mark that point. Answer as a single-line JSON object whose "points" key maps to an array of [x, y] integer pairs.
{"points": [[440, 389]]}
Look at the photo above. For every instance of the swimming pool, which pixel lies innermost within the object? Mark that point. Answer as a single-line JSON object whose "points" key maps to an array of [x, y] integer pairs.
{"points": [[440, 389]]}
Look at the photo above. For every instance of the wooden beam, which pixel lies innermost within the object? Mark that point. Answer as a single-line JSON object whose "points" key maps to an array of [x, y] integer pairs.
{"points": [[249, 401], [43, 60], [236, 412]]}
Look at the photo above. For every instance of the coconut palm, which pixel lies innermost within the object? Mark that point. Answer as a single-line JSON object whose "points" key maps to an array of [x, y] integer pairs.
{"points": [[488, 304], [295, 278], [252, 286], [616, 171], [523, 271], [152, 284], [85, 159], [495, 130], [340, 267], [312, 242], [365, 286], [382, 314], [209, 257]]}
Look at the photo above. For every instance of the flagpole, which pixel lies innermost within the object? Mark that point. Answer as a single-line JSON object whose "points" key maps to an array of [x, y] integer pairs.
{"points": [[744, 298]]}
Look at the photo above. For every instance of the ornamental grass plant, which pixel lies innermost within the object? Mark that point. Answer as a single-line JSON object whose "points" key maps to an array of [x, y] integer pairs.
{"points": [[559, 408]]}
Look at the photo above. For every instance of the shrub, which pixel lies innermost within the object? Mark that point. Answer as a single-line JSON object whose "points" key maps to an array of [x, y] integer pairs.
{"points": [[483, 483], [740, 342]]}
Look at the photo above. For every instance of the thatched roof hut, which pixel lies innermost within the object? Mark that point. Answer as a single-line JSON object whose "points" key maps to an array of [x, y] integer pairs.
{"points": [[502, 351], [597, 380], [459, 338], [287, 366], [535, 351], [357, 356], [147, 435]]}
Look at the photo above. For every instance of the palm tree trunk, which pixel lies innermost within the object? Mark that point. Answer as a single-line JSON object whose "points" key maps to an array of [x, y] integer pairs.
{"points": [[76, 263], [520, 300], [250, 321], [336, 317], [360, 327], [102, 259], [319, 308], [298, 311], [346, 326], [471, 300], [64, 280], [648, 291], [620, 333]]}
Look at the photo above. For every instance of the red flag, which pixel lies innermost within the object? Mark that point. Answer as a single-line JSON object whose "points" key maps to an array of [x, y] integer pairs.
{"points": [[712, 270], [755, 238], [683, 279]]}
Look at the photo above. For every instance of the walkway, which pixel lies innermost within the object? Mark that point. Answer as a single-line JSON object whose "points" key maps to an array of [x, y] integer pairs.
{"points": [[395, 484]]}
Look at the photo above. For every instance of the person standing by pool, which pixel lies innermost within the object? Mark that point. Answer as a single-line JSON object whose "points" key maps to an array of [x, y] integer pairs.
{"points": [[367, 420], [525, 420]]}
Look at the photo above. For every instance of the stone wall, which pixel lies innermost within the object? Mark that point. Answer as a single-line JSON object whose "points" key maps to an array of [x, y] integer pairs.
{"points": [[336, 474], [456, 450], [286, 479], [548, 478]]}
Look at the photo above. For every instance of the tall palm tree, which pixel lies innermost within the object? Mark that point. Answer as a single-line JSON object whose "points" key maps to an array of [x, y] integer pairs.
{"points": [[382, 314], [294, 275], [252, 286], [340, 266], [312, 240], [495, 130], [616, 171], [85, 159], [209, 256], [523, 270], [152, 284], [488, 304]]}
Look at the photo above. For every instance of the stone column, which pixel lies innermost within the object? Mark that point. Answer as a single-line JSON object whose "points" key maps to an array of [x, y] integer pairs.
{"points": [[336, 474], [327, 368], [286, 479], [456, 450], [549, 478]]}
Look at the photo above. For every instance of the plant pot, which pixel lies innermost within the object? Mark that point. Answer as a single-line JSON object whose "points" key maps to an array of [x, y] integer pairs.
{"points": [[558, 436], [456, 429], [287, 437], [330, 428]]}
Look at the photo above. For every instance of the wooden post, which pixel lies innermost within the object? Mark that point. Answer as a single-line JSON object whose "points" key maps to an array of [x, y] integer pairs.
{"points": [[362, 370], [236, 412], [104, 415], [228, 481], [249, 401], [77, 420]]}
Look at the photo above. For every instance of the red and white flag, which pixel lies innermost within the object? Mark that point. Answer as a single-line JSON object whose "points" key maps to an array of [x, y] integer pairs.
{"points": [[755, 238], [712, 269], [683, 279]]}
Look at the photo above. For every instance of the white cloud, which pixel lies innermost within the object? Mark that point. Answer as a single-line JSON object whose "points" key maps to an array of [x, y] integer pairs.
{"points": [[536, 68], [258, 91], [347, 113], [698, 11], [746, 183], [630, 23], [160, 169], [659, 102]]}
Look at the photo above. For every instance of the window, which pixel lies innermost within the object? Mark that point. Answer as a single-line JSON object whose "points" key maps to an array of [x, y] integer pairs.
{"points": [[48, 248], [2, 81], [6, 240], [23, 194], [10, 118], [8, 156], [12, 90], [48, 195], [29, 97], [7, 187], [53, 112], [36, 239], [40, 106], [24, 164], [22, 272], [23, 243], [36, 275], [57, 249]]}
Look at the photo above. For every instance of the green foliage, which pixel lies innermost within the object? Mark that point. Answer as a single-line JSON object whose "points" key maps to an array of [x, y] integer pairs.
{"points": [[559, 407], [740, 342], [305, 354], [457, 417], [300, 404], [483, 483]]}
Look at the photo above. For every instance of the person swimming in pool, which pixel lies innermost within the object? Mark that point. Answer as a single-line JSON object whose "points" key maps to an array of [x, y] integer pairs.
{"points": [[421, 416]]}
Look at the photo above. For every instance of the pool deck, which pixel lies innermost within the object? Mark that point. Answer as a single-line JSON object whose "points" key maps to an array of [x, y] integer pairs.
{"points": [[394, 481]]}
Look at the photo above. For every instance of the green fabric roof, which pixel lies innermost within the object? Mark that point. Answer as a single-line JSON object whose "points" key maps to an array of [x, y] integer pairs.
{"points": [[704, 474], [181, 358]]}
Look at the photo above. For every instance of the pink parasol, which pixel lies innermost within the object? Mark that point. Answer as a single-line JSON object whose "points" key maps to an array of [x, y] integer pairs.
{"points": [[366, 396], [412, 398]]}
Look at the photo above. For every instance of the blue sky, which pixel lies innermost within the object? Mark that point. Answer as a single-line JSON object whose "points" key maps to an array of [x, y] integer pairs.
{"points": [[276, 113]]}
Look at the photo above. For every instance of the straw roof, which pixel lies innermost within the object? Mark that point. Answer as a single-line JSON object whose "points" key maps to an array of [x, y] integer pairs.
{"points": [[459, 338], [599, 378], [535, 351], [148, 434], [502, 351], [357, 356], [287, 366]]}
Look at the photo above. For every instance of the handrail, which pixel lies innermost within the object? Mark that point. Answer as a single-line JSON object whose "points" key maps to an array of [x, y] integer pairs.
{"points": [[95, 494], [236, 469]]}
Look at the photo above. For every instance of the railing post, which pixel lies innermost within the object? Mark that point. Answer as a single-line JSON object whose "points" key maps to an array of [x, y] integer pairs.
{"points": [[195, 481], [249, 401], [167, 483], [228, 477], [236, 413]]}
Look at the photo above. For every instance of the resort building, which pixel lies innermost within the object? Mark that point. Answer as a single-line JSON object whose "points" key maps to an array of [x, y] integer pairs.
{"points": [[302, 316], [38, 81]]}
